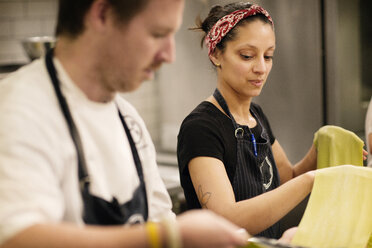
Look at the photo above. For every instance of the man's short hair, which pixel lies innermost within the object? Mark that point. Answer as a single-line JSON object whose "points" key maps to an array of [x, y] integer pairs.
{"points": [[71, 14]]}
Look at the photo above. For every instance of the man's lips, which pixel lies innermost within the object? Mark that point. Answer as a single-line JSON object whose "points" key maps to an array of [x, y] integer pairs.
{"points": [[151, 70], [149, 74]]}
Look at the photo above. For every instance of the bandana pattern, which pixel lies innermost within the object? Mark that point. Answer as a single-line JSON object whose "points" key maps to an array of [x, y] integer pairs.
{"points": [[227, 22]]}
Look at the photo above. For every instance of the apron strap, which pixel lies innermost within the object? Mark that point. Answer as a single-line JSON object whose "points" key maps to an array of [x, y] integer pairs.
{"points": [[84, 180], [239, 131], [133, 147], [221, 101]]}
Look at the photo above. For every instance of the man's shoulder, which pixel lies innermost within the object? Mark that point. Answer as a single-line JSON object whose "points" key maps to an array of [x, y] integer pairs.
{"points": [[28, 93], [28, 72], [26, 82]]}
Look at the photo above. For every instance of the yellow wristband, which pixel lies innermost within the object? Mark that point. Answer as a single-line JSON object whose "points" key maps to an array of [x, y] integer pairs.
{"points": [[153, 234]]}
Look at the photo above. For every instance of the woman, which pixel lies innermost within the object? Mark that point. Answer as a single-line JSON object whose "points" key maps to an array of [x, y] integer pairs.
{"points": [[230, 161]]}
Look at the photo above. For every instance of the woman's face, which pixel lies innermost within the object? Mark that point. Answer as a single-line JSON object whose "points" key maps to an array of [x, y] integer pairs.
{"points": [[247, 60]]}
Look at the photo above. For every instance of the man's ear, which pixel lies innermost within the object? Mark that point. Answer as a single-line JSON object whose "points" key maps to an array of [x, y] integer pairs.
{"points": [[97, 15]]}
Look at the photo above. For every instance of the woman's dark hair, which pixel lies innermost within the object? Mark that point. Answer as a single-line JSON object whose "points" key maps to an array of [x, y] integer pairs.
{"points": [[71, 14], [217, 12]]}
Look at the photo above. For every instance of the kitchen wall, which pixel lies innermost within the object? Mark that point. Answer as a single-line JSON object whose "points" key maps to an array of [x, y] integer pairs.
{"points": [[346, 61], [186, 82], [20, 19]]}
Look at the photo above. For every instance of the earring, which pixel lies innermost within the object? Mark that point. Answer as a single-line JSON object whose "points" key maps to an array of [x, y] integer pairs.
{"points": [[217, 65]]}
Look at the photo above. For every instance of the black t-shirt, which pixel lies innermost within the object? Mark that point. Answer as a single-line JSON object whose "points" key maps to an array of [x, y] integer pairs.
{"points": [[208, 132]]}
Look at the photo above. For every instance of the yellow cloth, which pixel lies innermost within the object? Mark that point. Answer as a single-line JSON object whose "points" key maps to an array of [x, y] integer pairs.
{"points": [[339, 212], [337, 146]]}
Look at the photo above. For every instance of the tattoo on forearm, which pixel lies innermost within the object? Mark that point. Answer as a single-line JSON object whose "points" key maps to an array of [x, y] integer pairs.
{"points": [[203, 197]]}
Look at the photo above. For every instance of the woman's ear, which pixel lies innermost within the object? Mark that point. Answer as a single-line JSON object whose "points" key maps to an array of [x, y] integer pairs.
{"points": [[214, 57]]}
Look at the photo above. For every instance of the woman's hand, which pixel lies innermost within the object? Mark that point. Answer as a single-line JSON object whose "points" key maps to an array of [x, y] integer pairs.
{"points": [[288, 235], [365, 153]]}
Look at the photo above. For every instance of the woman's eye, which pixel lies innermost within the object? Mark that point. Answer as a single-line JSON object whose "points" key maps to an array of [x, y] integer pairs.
{"points": [[269, 57], [246, 56]]}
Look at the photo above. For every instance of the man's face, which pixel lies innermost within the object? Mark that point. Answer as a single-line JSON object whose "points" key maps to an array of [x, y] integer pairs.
{"points": [[133, 51]]}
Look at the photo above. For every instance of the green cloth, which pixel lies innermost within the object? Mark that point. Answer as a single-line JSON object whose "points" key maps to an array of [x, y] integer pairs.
{"points": [[337, 146]]}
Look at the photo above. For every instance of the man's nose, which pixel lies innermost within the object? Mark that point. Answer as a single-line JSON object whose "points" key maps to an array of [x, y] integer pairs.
{"points": [[168, 51]]}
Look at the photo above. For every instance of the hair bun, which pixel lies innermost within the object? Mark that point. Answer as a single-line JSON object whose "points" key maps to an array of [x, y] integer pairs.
{"points": [[215, 9]]}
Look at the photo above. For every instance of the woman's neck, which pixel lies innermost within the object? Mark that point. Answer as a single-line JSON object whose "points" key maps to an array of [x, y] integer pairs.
{"points": [[239, 107]]}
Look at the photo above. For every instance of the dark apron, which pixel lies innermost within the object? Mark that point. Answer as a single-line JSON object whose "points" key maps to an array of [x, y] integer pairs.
{"points": [[98, 211], [255, 172]]}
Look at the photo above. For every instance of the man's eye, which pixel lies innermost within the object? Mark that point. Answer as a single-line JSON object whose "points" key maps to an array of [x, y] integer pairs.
{"points": [[159, 35]]}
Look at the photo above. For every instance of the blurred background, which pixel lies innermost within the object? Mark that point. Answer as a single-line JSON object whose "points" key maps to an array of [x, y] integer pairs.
{"points": [[321, 73]]}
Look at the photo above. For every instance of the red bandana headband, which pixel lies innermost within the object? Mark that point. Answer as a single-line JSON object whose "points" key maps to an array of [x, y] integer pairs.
{"points": [[227, 22]]}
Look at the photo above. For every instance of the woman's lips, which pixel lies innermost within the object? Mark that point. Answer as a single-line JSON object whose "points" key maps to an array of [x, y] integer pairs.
{"points": [[257, 83]]}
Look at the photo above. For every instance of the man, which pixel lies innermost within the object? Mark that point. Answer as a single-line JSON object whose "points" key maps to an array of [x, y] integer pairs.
{"points": [[71, 172]]}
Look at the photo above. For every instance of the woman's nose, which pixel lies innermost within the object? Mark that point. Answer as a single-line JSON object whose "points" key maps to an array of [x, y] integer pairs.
{"points": [[259, 65]]}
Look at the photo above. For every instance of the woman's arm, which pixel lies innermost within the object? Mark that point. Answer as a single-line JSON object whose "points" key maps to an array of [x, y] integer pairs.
{"points": [[286, 170], [198, 229], [215, 192]]}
